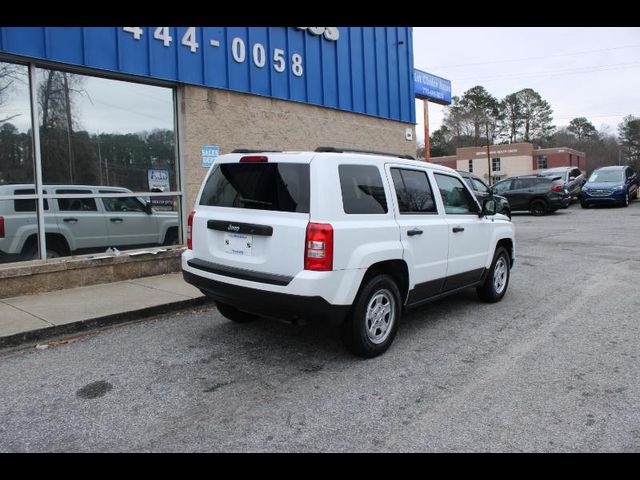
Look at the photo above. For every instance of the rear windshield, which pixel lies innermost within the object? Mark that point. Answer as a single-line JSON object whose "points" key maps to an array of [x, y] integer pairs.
{"points": [[281, 187]]}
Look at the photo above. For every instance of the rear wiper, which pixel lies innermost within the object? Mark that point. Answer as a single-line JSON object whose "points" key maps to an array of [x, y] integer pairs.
{"points": [[251, 200]]}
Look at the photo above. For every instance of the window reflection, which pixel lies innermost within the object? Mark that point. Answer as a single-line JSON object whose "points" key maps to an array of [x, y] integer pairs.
{"points": [[16, 148], [96, 131]]}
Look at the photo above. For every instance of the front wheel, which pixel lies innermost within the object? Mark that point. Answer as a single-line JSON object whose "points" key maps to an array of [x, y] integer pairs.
{"points": [[495, 285], [373, 322], [626, 199]]}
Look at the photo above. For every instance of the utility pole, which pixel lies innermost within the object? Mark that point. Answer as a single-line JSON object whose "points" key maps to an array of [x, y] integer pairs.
{"points": [[486, 124], [427, 142]]}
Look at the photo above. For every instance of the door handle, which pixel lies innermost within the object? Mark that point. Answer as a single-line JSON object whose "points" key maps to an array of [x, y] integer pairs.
{"points": [[413, 232], [116, 220], [72, 220], [458, 229]]}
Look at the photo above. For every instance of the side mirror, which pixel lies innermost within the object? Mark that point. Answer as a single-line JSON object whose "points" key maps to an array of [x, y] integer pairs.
{"points": [[489, 207], [147, 208]]}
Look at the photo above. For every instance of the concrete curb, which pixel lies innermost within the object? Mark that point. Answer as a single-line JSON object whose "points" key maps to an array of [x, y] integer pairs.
{"points": [[47, 333]]}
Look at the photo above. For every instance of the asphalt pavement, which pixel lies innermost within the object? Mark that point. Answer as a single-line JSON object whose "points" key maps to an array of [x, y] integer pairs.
{"points": [[553, 367]]}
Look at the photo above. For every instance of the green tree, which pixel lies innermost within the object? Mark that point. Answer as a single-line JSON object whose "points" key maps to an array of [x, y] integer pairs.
{"points": [[512, 119], [629, 138], [482, 110], [582, 128], [536, 115]]}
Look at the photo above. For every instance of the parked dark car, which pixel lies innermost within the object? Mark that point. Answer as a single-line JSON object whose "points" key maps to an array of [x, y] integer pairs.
{"points": [[481, 190], [536, 193], [610, 185], [573, 178]]}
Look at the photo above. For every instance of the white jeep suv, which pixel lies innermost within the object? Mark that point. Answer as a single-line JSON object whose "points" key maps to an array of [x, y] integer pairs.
{"points": [[354, 238]]}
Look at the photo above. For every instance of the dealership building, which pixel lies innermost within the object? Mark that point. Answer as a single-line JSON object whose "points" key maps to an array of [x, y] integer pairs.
{"points": [[511, 159], [98, 124]]}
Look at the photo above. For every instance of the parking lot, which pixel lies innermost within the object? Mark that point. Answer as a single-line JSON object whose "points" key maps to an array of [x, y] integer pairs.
{"points": [[552, 367]]}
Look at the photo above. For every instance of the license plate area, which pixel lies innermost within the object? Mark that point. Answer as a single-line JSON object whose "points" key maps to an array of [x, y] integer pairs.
{"points": [[237, 244]]}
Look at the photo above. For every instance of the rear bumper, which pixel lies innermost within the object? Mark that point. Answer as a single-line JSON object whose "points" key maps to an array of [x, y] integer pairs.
{"points": [[267, 303]]}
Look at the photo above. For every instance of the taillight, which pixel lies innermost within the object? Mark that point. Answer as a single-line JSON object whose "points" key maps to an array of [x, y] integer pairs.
{"points": [[190, 231], [318, 247], [254, 159], [556, 188], [1, 227]]}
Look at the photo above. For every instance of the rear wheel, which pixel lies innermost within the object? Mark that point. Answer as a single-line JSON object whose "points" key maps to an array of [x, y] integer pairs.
{"points": [[495, 285], [171, 237], [538, 208], [373, 322], [235, 315]]}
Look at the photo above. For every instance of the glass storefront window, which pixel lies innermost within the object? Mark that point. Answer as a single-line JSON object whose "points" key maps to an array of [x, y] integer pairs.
{"points": [[16, 146], [108, 158], [96, 131]]}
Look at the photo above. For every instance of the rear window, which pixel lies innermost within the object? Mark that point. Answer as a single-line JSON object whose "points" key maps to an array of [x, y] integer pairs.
{"points": [[281, 187], [362, 189]]}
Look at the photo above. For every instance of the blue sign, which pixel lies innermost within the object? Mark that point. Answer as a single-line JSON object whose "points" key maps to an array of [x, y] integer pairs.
{"points": [[209, 154], [365, 70], [430, 87]]}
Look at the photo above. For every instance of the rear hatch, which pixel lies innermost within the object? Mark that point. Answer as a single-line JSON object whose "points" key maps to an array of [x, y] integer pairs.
{"points": [[252, 214]]}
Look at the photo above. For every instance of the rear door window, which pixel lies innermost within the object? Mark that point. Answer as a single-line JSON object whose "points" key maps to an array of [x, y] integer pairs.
{"points": [[362, 189], [281, 187], [413, 191], [76, 204]]}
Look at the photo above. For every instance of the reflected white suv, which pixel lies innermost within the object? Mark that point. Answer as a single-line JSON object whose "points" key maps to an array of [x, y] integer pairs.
{"points": [[80, 225], [354, 238]]}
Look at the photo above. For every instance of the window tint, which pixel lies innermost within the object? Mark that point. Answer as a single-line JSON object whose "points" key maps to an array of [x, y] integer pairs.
{"points": [[27, 205], [76, 204], [281, 187], [456, 198], [362, 190], [413, 191], [502, 186], [479, 186], [127, 204]]}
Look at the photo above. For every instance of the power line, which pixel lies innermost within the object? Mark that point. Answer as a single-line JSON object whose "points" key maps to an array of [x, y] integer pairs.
{"points": [[536, 58], [555, 73]]}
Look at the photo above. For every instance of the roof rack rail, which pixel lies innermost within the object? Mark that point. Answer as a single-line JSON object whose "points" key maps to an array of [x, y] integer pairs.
{"points": [[251, 150], [360, 150]]}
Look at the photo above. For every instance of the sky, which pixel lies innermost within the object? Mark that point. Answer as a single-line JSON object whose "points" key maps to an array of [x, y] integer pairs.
{"points": [[581, 71]]}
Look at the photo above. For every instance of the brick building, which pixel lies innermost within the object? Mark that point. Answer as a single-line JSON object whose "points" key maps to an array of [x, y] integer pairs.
{"points": [[511, 159]]}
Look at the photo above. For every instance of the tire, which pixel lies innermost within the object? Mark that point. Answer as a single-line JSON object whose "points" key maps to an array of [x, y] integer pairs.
{"points": [[373, 321], [497, 281], [235, 315], [625, 202], [584, 205], [538, 208], [55, 249], [171, 237], [506, 212]]}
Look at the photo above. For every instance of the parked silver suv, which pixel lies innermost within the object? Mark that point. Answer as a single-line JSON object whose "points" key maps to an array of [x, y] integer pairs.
{"points": [[77, 225]]}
